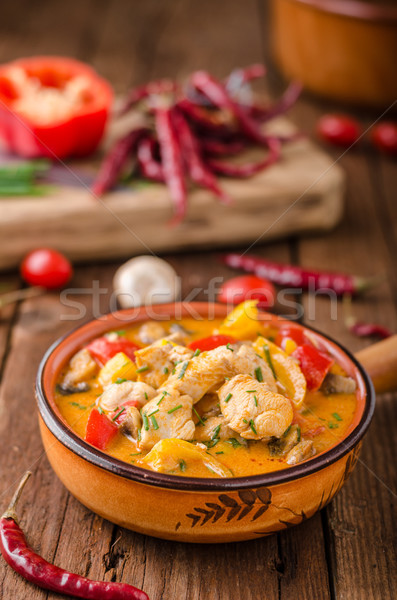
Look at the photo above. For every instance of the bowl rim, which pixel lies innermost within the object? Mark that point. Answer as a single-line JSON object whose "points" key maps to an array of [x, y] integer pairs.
{"points": [[68, 438], [354, 9]]}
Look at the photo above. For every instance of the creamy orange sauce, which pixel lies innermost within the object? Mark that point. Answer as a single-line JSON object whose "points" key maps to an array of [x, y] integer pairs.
{"points": [[323, 418]]}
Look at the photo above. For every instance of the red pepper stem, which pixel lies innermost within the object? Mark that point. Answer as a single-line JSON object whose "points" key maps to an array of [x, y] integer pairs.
{"points": [[10, 512], [15, 296]]}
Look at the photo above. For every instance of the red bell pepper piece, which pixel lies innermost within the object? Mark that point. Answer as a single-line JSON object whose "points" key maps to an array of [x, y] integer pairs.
{"points": [[292, 332], [103, 349], [77, 130], [314, 365], [211, 342], [100, 430]]}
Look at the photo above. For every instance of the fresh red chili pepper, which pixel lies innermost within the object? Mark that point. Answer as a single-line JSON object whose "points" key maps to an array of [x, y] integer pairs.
{"points": [[198, 171], [148, 165], [339, 130], [100, 430], [249, 169], [211, 342], [75, 128], [161, 86], [115, 160], [172, 162], [384, 137], [297, 277], [34, 568], [103, 348], [314, 365]]}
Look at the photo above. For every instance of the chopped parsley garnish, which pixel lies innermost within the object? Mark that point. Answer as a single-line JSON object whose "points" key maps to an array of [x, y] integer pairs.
{"points": [[154, 412], [154, 422], [183, 369], [235, 443], [269, 359], [77, 405], [258, 374], [120, 380], [145, 422], [229, 348], [253, 426], [337, 417], [228, 398], [200, 420], [166, 370], [174, 409], [165, 393], [119, 413], [182, 465], [196, 352], [142, 369], [256, 401], [333, 425], [216, 432]]}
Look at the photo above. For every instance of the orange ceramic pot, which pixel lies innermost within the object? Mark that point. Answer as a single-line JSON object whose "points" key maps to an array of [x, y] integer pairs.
{"points": [[343, 50], [185, 508]]}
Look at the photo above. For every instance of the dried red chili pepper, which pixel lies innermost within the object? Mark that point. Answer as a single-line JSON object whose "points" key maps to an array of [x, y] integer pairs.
{"points": [[370, 329], [248, 169], [172, 162], [115, 160], [297, 277], [148, 165], [198, 171], [220, 148], [139, 93], [34, 568]]}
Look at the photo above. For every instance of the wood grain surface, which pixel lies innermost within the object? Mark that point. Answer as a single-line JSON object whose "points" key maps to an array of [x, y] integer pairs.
{"points": [[348, 551]]}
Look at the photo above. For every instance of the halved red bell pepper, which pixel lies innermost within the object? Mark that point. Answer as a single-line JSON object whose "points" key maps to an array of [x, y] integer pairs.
{"points": [[52, 106], [211, 342], [100, 430], [314, 365], [103, 349]]}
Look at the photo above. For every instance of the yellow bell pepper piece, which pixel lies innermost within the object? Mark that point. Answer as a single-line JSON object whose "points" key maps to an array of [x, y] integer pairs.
{"points": [[174, 454], [119, 366], [290, 346], [242, 322], [285, 368]]}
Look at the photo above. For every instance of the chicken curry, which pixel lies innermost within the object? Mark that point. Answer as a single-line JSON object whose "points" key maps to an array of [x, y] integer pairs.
{"points": [[208, 398]]}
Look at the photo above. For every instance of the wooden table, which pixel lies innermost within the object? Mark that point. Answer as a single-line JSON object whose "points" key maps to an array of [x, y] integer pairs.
{"points": [[346, 551]]}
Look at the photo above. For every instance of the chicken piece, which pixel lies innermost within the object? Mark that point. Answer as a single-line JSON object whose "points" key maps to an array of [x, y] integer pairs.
{"points": [[81, 367], [150, 332], [168, 415], [301, 451], [252, 410], [160, 358], [202, 374], [208, 406], [117, 394], [178, 455], [214, 428], [132, 422], [246, 361]]}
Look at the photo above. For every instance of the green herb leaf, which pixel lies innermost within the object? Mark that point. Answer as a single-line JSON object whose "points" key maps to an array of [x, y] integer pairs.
{"points": [[337, 416], [252, 425], [154, 422], [220, 452], [216, 432], [154, 412], [77, 405], [258, 374], [119, 413], [196, 352], [269, 360], [229, 348], [256, 401], [120, 380], [142, 369], [251, 391], [228, 398], [174, 409], [333, 425], [200, 420], [166, 370], [299, 433], [183, 369], [145, 422], [235, 443], [182, 465]]}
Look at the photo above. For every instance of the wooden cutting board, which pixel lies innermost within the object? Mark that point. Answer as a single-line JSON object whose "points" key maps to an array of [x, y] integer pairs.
{"points": [[302, 193]]}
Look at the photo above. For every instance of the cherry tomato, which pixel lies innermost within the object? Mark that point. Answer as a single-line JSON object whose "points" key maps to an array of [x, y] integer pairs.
{"points": [[384, 137], [247, 287], [46, 267], [292, 332], [339, 130], [211, 342], [100, 430], [103, 349]]}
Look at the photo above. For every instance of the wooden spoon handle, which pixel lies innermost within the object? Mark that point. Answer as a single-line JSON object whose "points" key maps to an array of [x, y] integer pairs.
{"points": [[380, 362]]}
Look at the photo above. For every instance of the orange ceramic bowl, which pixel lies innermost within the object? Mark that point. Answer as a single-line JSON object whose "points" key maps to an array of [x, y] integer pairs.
{"points": [[343, 50], [185, 508]]}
